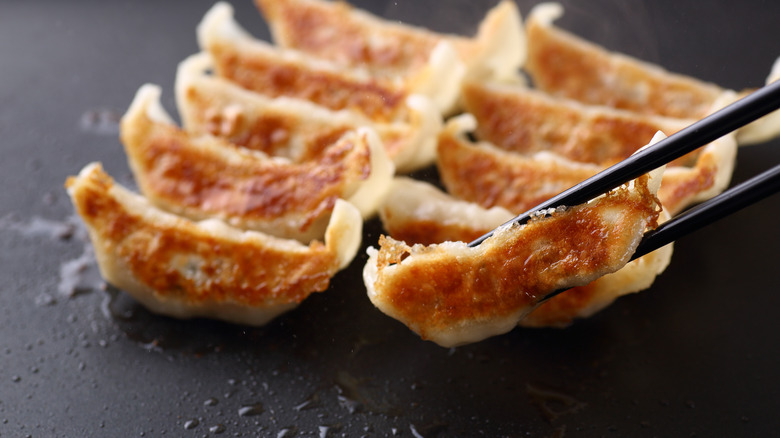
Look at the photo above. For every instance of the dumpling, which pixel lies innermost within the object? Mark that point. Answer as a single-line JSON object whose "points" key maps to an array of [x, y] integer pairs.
{"points": [[189, 269], [568, 66], [490, 176], [565, 65], [204, 176], [430, 63], [293, 128], [453, 294], [258, 66], [524, 120], [417, 212]]}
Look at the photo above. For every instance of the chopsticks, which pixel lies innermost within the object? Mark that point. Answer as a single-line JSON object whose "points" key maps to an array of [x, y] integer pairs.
{"points": [[706, 130]]}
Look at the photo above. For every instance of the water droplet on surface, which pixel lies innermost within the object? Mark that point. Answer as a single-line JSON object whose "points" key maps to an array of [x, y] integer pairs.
{"points": [[287, 432], [212, 401], [311, 402], [251, 410], [217, 429], [324, 431]]}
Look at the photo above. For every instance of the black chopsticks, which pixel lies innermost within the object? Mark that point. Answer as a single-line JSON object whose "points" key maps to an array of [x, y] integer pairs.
{"points": [[710, 128]]}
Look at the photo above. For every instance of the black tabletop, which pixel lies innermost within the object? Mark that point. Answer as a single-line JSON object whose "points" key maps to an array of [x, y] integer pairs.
{"points": [[696, 354]]}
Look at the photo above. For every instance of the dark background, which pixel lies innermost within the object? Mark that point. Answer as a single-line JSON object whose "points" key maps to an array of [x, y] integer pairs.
{"points": [[695, 355]]}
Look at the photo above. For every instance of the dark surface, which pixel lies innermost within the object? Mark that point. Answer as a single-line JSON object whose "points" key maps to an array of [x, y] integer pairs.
{"points": [[697, 354]]}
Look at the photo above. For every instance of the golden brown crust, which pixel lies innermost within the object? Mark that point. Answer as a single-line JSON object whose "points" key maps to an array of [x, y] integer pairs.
{"points": [[565, 65]]}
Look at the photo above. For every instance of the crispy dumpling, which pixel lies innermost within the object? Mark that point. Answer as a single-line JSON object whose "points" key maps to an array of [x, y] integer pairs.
{"points": [[452, 294], [293, 128], [417, 212], [489, 176], [482, 173], [524, 120], [209, 269], [431, 63], [273, 71], [204, 176], [565, 65]]}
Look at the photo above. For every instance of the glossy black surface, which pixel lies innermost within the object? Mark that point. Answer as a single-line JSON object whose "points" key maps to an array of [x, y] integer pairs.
{"points": [[697, 354]]}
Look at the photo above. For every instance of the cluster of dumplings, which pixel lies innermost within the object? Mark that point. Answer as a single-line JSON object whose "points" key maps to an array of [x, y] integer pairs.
{"points": [[259, 198]]}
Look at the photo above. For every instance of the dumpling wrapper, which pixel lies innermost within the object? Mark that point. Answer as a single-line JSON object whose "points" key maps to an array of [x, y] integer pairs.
{"points": [[430, 63], [482, 173], [452, 294], [203, 176], [288, 127], [417, 212], [565, 65], [187, 269], [258, 66]]}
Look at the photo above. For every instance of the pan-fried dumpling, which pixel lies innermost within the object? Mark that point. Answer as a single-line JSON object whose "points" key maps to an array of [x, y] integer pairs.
{"points": [[523, 120], [209, 269], [568, 66], [482, 173], [416, 212], [431, 63], [489, 176], [204, 176], [258, 66], [293, 128], [565, 65], [452, 294]]}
